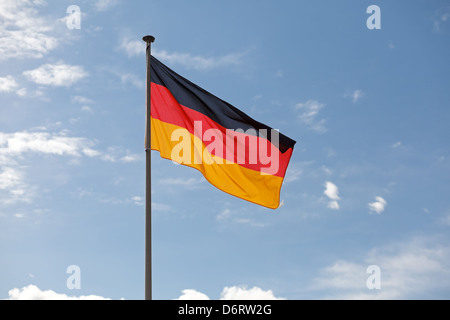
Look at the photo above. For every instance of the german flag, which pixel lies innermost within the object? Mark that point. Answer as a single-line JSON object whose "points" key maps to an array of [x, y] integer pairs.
{"points": [[235, 153]]}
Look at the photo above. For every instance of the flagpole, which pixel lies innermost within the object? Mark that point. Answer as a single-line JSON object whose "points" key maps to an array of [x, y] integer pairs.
{"points": [[148, 187]]}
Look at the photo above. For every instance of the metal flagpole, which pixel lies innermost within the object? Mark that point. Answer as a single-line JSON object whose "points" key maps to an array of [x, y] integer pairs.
{"points": [[148, 187]]}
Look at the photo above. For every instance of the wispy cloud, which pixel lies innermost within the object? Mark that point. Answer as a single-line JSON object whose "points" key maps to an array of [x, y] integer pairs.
{"points": [[14, 147], [85, 102], [355, 95], [341, 275], [132, 48], [191, 183], [396, 145], [251, 222], [190, 61], [294, 173], [81, 100], [161, 207], [58, 75], [230, 216], [116, 154], [104, 5], [329, 152], [445, 220], [133, 80], [308, 114], [224, 214], [23, 34], [8, 84], [9, 178], [440, 18], [13, 187], [135, 47], [408, 270]]}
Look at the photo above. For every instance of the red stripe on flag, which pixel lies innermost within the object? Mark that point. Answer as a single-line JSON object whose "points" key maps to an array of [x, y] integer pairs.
{"points": [[249, 151]]}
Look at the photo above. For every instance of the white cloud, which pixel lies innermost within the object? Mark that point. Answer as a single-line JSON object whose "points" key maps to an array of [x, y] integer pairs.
{"points": [[130, 158], [32, 292], [309, 111], [8, 84], [59, 74], [413, 269], [13, 187], [13, 144], [378, 206], [23, 34], [133, 47], [334, 205], [332, 192], [190, 294], [342, 275], [38, 93], [242, 293], [103, 5], [22, 92], [138, 200], [10, 178], [13, 148], [232, 293]]}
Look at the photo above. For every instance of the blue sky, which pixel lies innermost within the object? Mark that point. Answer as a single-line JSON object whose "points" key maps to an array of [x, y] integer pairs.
{"points": [[367, 184]]}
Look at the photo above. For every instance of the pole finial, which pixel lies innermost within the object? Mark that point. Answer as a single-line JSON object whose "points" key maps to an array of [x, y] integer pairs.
{"points": [[149, 39]]}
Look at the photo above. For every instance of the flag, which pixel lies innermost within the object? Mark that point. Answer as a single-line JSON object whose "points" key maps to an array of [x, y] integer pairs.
{"points": [[235, 153]]}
